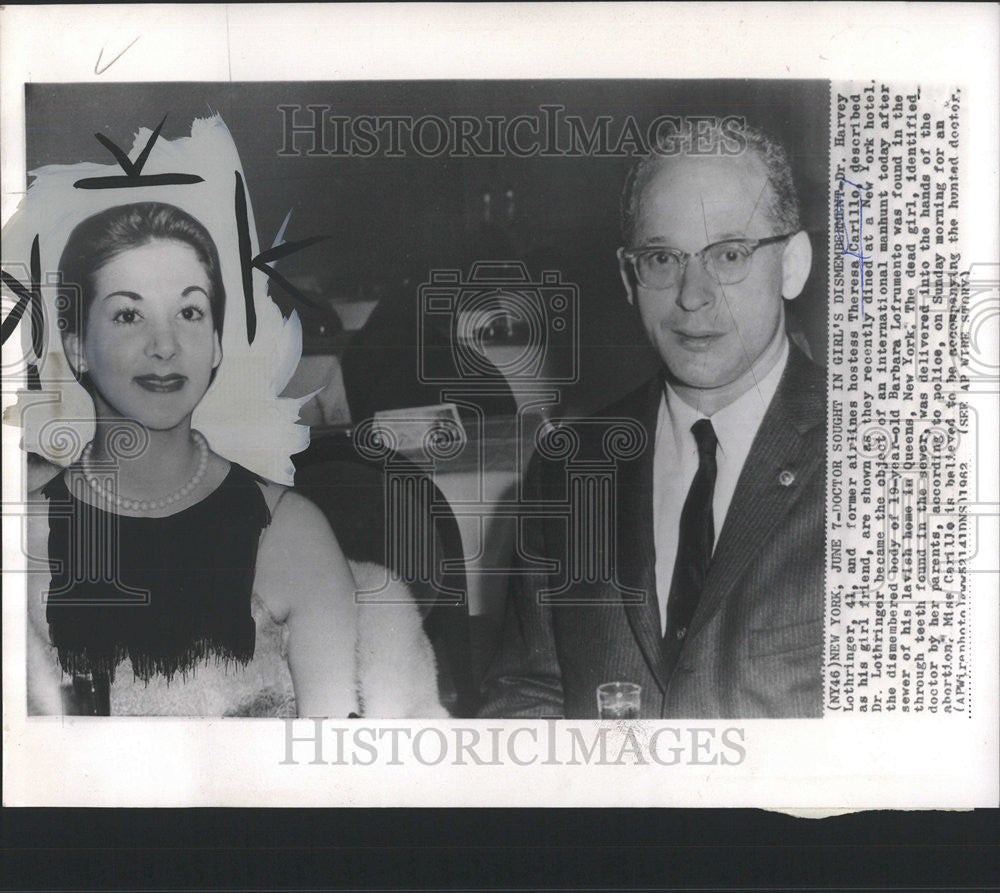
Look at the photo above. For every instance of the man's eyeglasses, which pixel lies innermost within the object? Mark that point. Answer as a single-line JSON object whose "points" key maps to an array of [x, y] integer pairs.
{"points": [[726, 262]]}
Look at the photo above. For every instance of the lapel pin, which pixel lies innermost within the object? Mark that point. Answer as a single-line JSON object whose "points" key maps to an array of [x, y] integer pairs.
{"points": [[786, 478]]}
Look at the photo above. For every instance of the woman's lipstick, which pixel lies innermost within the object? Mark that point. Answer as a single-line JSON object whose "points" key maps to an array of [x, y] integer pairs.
{"points": [[161, 384]]}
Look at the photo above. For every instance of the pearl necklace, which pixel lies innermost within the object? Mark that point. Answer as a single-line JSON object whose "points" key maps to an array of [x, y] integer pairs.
{"points": [[147, 505]]}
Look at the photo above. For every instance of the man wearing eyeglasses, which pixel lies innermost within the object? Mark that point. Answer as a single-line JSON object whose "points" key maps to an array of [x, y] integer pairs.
{"points": [[715, 606]]}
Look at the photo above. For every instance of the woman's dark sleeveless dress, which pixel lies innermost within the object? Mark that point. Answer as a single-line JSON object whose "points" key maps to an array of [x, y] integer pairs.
{"points": [[158, 614]]}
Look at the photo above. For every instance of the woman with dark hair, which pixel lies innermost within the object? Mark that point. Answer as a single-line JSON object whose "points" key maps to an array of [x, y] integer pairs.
{"points": [[182, 583]]}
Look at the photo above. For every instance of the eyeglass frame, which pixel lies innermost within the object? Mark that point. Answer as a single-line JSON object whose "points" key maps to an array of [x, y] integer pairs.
{"points": [[684, 257]]}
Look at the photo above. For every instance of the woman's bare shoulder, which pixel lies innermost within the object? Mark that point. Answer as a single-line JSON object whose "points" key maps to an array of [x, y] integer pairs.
{"points": [[33, 537], [298, 545], [37, 496], [291, 510], [36, 516]]}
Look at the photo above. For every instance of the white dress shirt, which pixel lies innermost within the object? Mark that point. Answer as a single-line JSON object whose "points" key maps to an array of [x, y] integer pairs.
{"points": [[675, 462]]}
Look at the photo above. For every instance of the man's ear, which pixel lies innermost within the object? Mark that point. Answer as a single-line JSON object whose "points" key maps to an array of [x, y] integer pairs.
{"points": [[628, 280], [796, 261], [73, 348]]}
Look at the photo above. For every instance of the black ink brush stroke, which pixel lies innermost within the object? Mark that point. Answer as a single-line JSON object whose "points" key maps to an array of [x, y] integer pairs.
{"points": [[133, 170], [132, 182], [263, 262], [31, 295], [246, 262]]}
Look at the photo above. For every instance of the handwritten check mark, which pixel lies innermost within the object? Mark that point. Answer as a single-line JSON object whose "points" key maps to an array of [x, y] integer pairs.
{"points": [[112, 62]]}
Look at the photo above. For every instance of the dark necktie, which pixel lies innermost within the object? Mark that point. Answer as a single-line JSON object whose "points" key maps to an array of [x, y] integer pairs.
{"points": [[694, 546]]}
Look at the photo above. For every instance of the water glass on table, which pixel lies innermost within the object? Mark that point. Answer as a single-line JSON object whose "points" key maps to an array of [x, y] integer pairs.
{"points": [[619, 700]]}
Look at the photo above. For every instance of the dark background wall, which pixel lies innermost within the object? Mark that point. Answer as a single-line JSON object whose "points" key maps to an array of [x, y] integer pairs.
{"points": [[393, 218]]}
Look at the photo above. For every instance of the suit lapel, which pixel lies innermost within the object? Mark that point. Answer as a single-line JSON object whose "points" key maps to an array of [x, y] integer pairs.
{"points": [[763, 493], [636, 543]]}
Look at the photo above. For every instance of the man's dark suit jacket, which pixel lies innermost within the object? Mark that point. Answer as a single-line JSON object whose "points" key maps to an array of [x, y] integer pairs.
{"points": [[754, 647]]}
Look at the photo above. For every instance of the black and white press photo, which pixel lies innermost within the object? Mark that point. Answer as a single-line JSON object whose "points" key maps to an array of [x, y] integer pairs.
{"points": [[525, 267], [552, 427]]}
